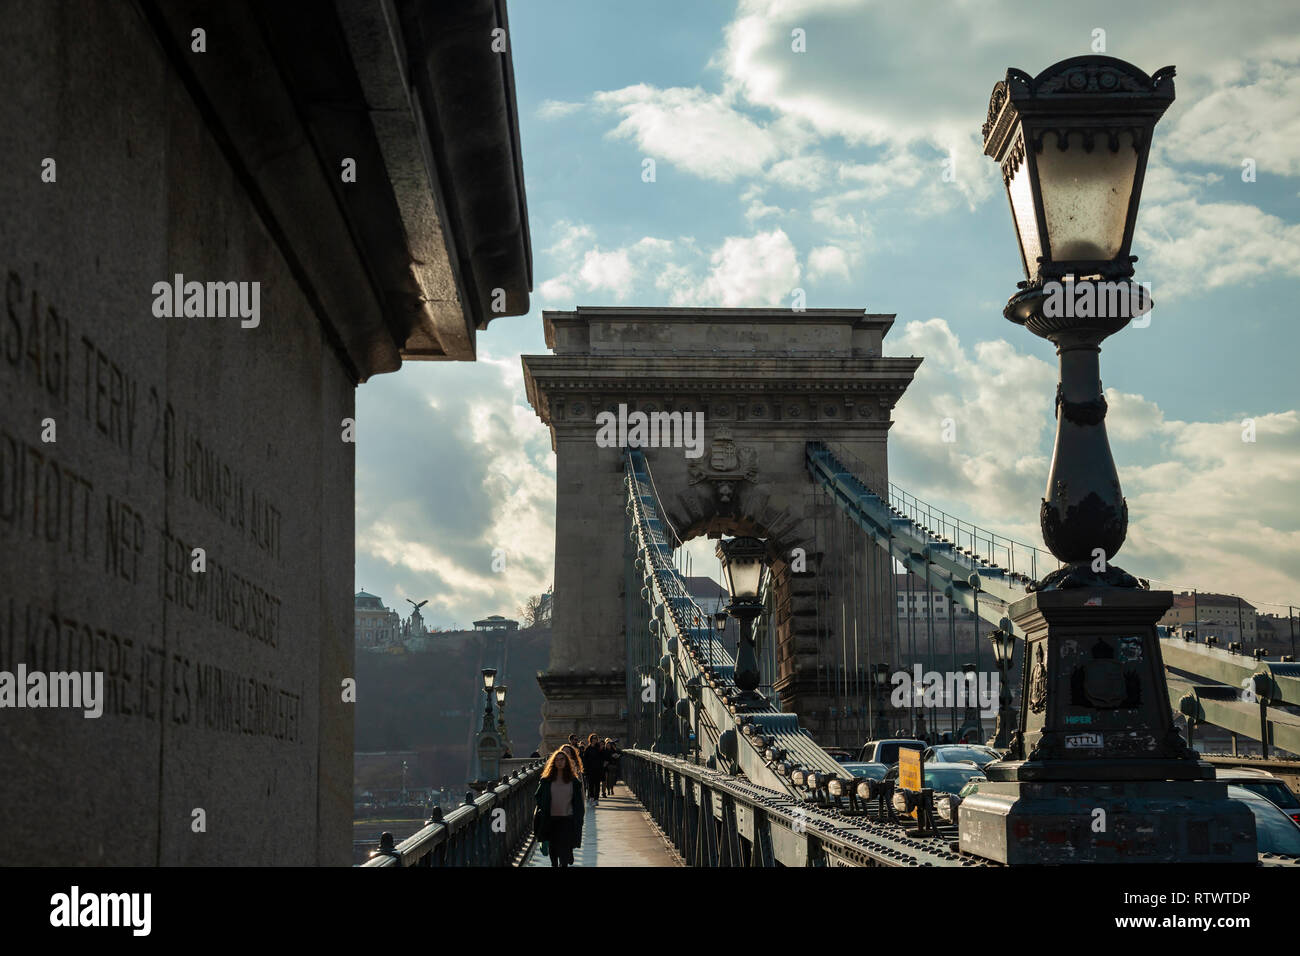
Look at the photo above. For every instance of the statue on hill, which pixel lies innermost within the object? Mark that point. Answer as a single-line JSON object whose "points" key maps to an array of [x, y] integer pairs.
{"points": [[415, 626]]}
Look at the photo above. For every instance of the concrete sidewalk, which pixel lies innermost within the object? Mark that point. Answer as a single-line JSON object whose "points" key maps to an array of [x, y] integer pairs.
{"points": [[617, 832]]}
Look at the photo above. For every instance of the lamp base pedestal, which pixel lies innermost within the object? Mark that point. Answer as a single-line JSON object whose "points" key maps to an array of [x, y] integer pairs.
{"points": [[1053, 822]]}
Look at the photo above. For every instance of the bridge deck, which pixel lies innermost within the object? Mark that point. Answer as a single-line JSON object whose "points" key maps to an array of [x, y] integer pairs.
{"points": [[617, 832]]}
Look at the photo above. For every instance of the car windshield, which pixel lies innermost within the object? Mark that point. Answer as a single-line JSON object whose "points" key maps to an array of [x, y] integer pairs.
{"points": [[1274, 830], [958, 754], [1275, 791], [950, 779], [876, 771], [889, 749]]}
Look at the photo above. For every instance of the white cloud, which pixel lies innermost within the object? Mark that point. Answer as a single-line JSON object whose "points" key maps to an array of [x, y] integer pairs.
{"points": [[701, 132], [1254, 117], [759, 210], [1214, 512], [556, 291], [809, 172], [427, 529], [828, 261], [1193, 246], [557, 109], [762, 269], [611, 271]]}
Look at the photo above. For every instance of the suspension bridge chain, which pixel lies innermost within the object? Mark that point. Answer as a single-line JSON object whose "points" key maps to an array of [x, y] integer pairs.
{"points": [[968, 564], [743, 735], [896, 522]]}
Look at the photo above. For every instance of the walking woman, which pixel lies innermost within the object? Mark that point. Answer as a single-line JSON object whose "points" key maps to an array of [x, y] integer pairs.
{"points": [[593, 767], [560, 808]]}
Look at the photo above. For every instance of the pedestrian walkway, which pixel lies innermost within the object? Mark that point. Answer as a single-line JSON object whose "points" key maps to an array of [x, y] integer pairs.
{"points": [[617, 832]]}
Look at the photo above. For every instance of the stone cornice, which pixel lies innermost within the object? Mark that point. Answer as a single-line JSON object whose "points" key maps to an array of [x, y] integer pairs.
{"points": [[648, 379]]}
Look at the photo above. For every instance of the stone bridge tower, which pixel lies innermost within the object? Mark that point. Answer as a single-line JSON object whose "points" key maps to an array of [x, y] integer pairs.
{"points": [[767, 381]]}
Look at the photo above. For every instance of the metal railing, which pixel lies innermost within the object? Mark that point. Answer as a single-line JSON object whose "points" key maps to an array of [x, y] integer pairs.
{"points": [[491, 829], [716, 819], [981, 544]]}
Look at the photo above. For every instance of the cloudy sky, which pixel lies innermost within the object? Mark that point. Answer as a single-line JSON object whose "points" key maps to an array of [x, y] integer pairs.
{"points": [[824, 170]]}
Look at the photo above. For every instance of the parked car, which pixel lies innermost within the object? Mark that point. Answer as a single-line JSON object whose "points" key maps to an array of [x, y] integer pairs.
{"points": [[1264, 784], [944, 777], [977, 754], [886, 751], [1275, 832], [840, 754]]}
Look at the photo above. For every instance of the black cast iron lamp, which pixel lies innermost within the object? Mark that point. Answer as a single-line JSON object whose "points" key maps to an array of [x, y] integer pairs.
{"points": [[489, 678], [1004, 651], [1072, 144], [1095, 729], [744, 564], [1004, 648], [501, 695]]}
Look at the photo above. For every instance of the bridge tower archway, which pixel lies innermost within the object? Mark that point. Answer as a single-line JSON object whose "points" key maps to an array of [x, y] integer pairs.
{"points": [[751, 387]]}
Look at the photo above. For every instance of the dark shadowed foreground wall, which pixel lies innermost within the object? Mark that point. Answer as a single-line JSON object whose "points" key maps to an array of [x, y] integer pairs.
{"points": [[222, 688], [128, 440]]}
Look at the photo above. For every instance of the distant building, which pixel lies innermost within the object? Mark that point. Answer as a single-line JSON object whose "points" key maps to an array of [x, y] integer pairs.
{"points": [[495, 622], [708, 594], [1225, 616], [921, 600], [376, 625]]}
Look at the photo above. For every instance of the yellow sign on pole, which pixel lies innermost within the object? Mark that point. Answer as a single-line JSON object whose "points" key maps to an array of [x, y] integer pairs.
{"points": [[909, 771]]}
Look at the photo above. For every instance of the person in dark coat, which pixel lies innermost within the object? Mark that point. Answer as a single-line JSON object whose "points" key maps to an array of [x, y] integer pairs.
{"points": [[611, 766], [593, 767], [560, 808]]}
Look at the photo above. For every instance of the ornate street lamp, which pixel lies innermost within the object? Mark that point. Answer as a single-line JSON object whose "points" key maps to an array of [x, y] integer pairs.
{"points": [[1095, 729], [501, 715], [881, 678], [1072, 144], [1004, 652], [487, 748], [719, 627], [971, 714], [744, 564]]}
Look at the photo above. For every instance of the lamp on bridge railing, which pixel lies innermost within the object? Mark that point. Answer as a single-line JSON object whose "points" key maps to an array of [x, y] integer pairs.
{"points": [[488, 742], [744, 565], [501, 717], [1004, 652], [1072, 144], [880, 677]]}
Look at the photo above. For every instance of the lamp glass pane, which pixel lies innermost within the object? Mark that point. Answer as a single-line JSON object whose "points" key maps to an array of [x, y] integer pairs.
{"points": [[1086, 195], [745, 575], [1021, 194]]}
